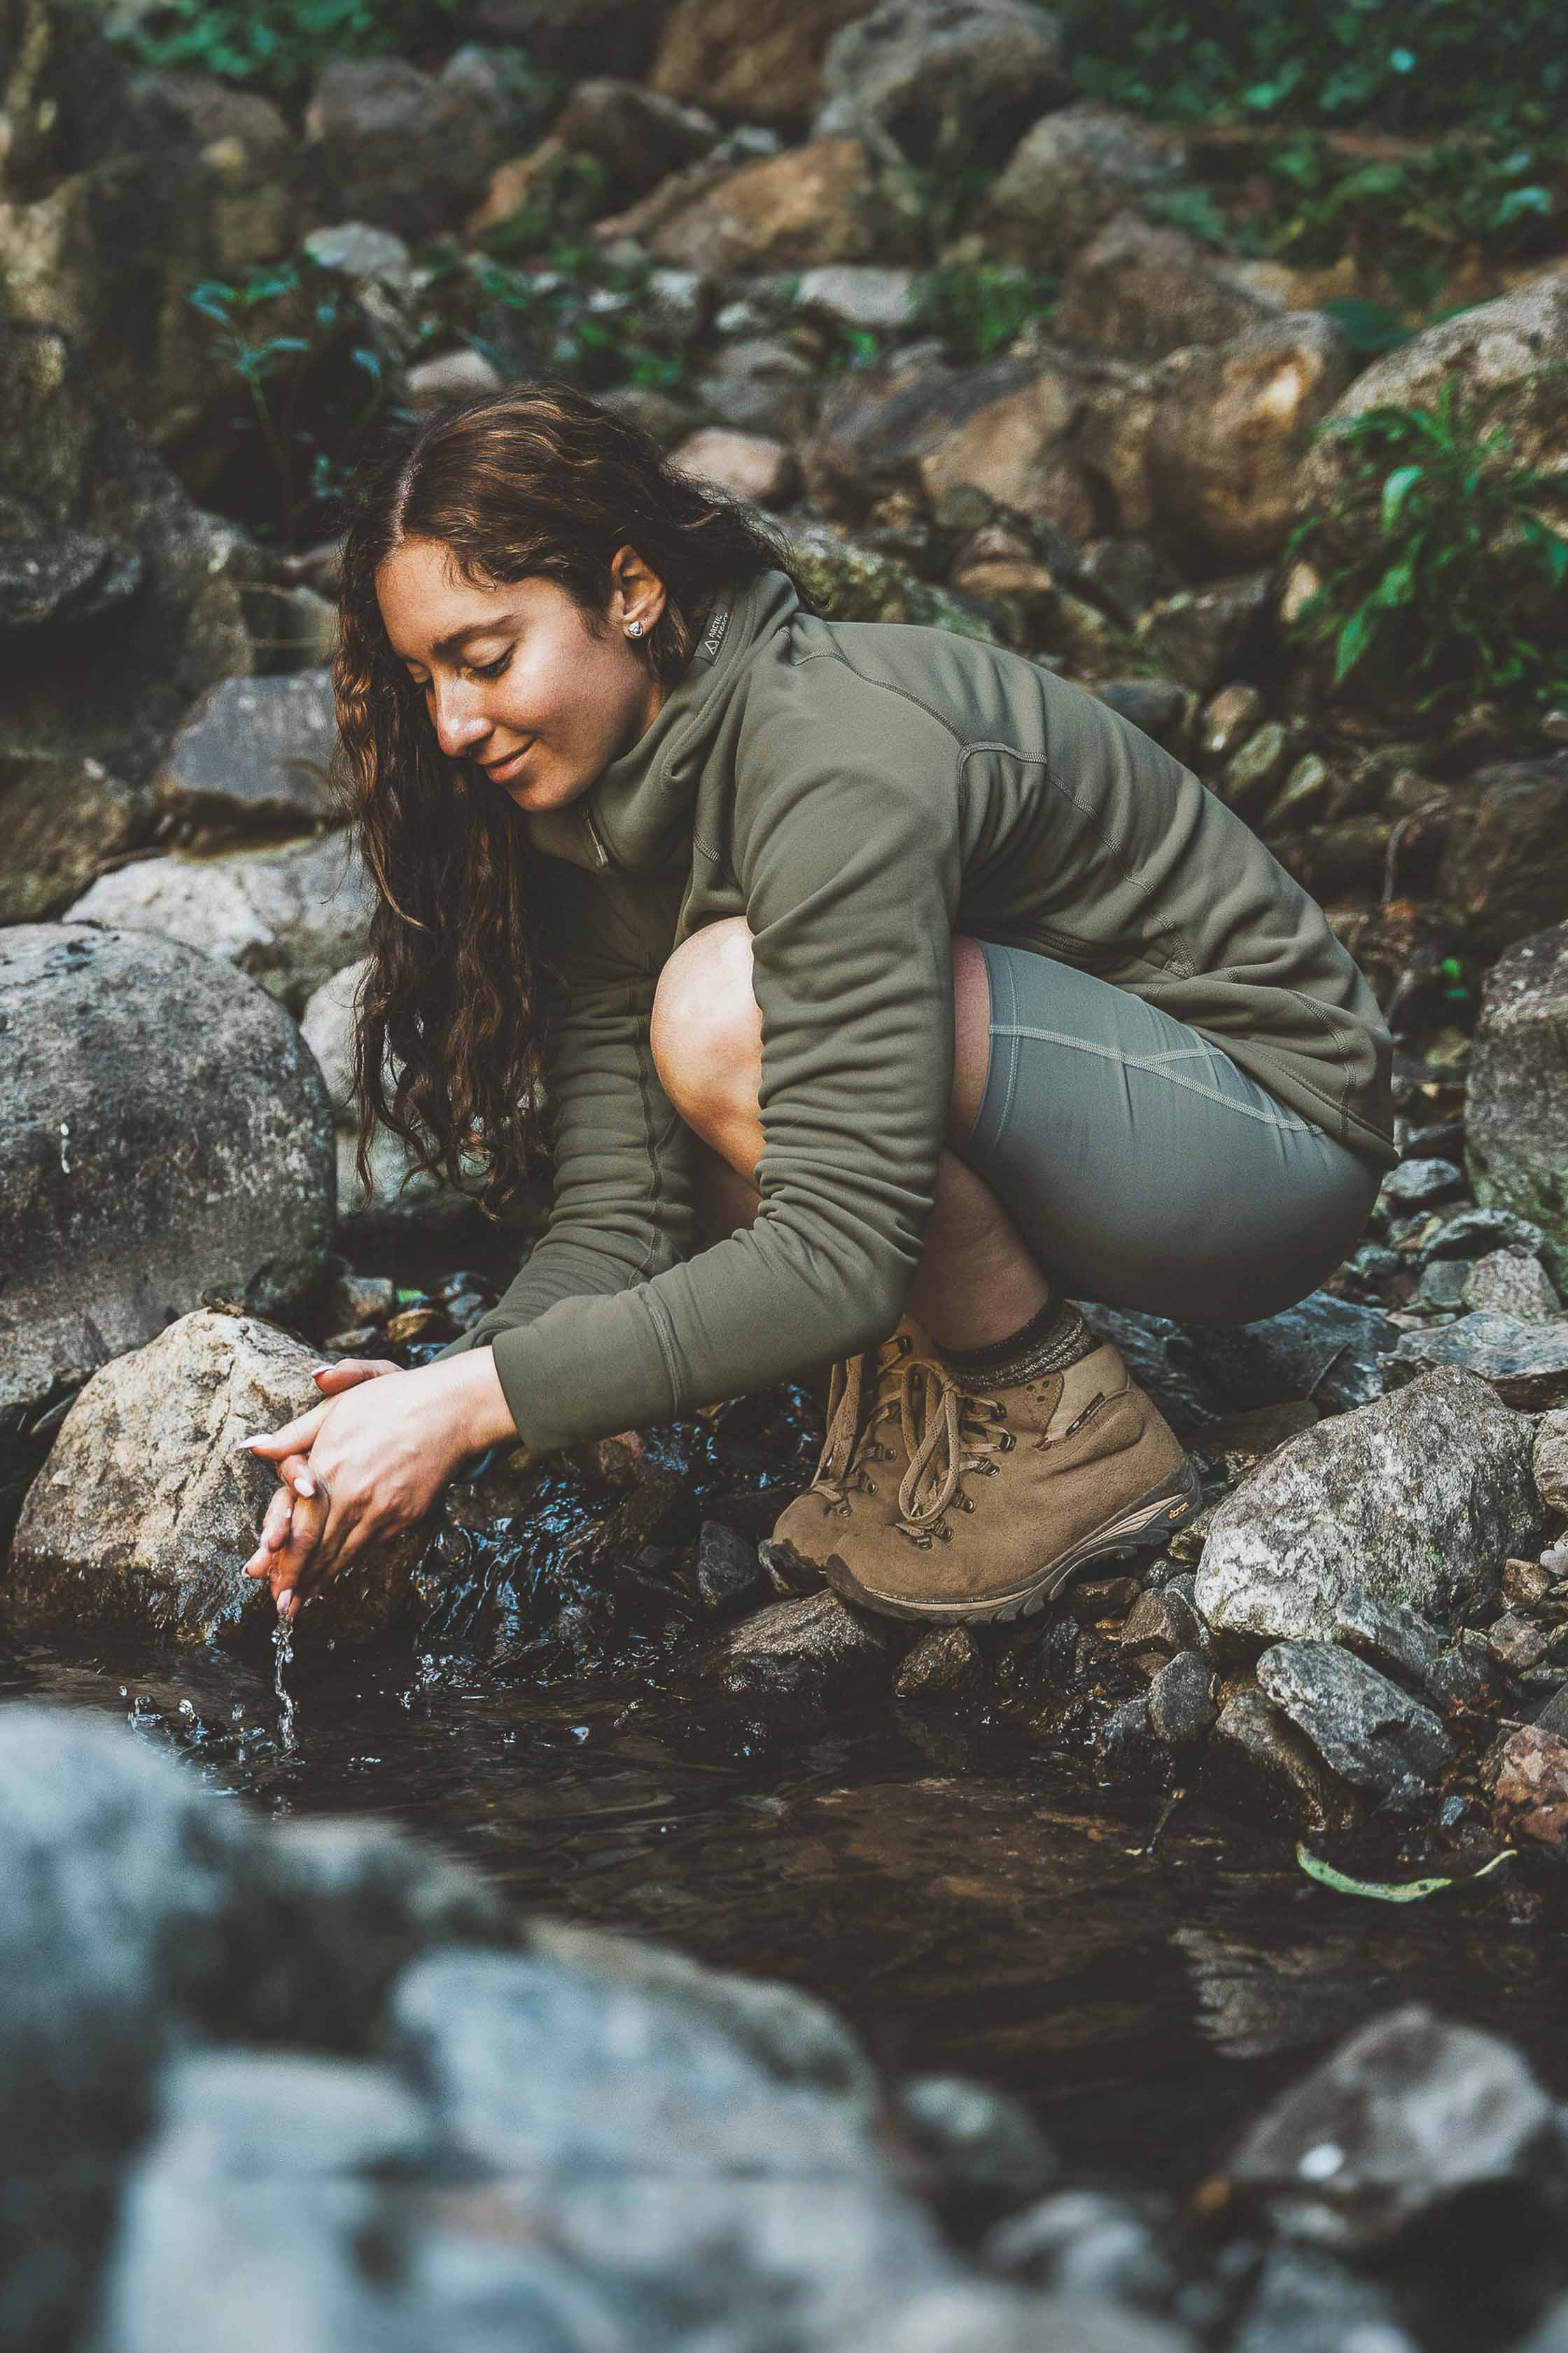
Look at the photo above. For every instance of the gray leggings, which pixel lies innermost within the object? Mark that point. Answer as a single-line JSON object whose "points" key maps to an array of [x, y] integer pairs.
{"points": [[1141, 1166]]}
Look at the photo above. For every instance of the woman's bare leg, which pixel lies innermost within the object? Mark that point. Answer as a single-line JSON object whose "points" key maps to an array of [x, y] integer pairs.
{"points": [[978, 1281]]}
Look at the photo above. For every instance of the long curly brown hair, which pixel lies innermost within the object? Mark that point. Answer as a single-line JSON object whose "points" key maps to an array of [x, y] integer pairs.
{"points": [[537, 480]]}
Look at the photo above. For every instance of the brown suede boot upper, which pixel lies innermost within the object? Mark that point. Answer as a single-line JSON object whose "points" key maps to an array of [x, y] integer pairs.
{"points": [[1007, 1493], [865, 1454]]}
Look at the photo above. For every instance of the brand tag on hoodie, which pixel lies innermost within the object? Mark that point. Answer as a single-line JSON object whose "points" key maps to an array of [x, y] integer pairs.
{"points": [[717, 624]]}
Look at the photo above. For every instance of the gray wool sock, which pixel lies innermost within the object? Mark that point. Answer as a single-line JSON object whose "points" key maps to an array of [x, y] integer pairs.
{"points": [[1048, 1343]]}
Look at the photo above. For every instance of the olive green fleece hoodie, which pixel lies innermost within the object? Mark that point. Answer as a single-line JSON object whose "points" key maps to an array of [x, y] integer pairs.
{"points": [[860, 792]]}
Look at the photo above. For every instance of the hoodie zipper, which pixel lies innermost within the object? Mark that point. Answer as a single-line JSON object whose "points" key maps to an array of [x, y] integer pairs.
{"points": [[601, 848]]}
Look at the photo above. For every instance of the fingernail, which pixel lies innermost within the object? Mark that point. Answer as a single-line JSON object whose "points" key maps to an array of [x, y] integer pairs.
{"points": [[283, 1601], [304, 1486], [244, 1441], [320, 1368]]}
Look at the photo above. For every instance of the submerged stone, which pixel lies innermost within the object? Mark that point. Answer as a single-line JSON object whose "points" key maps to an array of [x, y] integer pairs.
{"points": [[1411, 2111], [1370, 1733]]}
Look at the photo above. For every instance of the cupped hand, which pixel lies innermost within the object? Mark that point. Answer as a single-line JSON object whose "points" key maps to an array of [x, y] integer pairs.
{"points": [[367, 1463], [294, 1518]]}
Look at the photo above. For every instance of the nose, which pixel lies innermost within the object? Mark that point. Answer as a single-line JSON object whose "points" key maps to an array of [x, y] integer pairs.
{"points": [[458, 717]]}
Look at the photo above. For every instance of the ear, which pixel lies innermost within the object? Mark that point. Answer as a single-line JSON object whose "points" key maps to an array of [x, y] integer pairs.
{"points": [[638, 592]]}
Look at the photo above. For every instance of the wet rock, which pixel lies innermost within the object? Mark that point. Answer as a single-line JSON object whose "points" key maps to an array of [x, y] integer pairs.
{"points": [[1389, 1636], [1201, 635], [807, 1654], [1181, 1700], [560, 2084], [749, 465], [1504, 1284], [147, 1506], [1100, 2244], [1126, 1739], [1159, 1624], [1329, 1350], [1157, 705], [987, 2149], [926, 72], [1504, 869], [1260, 1765], [1306, 2304], [388, 142], [1529, 1779], [1229, 717], [730, 1578], [943, 1662], [1421, 1184], [1080, 165], [1410, 2113], [1416, 1499], [1442, 1286], [361, 1298], [143, 1087], [1518, 1642], [252, 754], [290, 917], [1368, 1731], [1517, 1108], [760, 60], [1092, 1600], [1146, 290], [113, 692], [1464, 1681], [1250, 778], [1472, 1233], [855, 584], [1525, 1363], [809, 206], [1550, 1460], [65, 818]]}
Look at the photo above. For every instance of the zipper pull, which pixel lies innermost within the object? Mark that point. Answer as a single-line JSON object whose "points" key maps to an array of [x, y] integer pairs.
{"points": [[601, 850]]}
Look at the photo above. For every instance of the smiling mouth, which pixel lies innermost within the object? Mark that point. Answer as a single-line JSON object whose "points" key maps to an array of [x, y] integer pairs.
{"points": [[500, 771]]}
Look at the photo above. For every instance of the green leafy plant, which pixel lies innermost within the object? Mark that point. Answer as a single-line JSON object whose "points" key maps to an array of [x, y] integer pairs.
{"points": [[575, 312], [281, 45], [1454, 591], [976, 310], [300, 342]]}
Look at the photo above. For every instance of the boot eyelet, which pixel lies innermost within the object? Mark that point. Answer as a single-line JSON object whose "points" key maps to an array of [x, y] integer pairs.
{"points": [[943, 1531], [1006, 1443], [964, 1502]]}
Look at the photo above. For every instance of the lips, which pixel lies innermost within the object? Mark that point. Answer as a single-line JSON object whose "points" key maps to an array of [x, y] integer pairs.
{"points": [[500, 772]]}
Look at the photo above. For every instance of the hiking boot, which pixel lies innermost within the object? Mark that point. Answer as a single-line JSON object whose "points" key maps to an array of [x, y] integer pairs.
{"points": [[1010, 1494], [865, 1456]]}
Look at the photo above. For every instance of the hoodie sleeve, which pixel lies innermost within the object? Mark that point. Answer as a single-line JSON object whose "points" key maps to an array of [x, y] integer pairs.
{"points": [[846, 845], [621, 1206]]}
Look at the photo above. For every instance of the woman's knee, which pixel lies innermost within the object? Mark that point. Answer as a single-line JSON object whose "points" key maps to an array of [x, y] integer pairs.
{"points": [[707, 1033]]}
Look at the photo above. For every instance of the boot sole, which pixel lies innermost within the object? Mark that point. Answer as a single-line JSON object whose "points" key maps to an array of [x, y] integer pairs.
{"points": [[1131, 1531]]}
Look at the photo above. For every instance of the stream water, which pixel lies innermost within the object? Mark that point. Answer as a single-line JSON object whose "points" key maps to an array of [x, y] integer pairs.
{"points": [[1143, 1974]]}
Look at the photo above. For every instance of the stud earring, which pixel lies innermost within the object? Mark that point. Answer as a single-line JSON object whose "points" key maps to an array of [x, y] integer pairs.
{"points": [[634, 628]]}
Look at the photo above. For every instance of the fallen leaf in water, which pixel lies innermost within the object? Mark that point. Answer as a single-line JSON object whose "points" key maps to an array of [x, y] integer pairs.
{"points": [[1390, 1891]]}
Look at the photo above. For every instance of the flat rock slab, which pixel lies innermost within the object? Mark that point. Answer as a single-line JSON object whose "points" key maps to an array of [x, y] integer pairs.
{"points": [[1525, 1363], [806, 1653], [145, 1509], [1418, 1499], [1371, 1734], [163, 1132], [1409, 2112], [290, 917], [254, 752]]}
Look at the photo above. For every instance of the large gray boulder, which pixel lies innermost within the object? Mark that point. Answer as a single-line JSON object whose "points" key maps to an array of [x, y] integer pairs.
{"points": [[1417, 1498], [290, 917], [163, 1132], [147, 1504], [1516, 1135]]}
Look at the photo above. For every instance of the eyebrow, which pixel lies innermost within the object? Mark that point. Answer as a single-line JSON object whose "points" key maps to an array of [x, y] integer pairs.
{"points": [[448, 645]]}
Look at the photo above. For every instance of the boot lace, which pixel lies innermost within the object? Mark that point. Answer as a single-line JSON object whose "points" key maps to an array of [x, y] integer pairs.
{"points": [[851, 1443], [950, 1434]]}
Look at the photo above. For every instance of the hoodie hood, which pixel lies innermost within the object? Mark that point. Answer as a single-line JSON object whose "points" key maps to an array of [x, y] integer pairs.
{"points": [[637, 814]]}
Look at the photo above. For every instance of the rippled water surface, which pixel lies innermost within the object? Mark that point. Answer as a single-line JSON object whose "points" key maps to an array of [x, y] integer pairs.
{"points": [[997, 1915]]}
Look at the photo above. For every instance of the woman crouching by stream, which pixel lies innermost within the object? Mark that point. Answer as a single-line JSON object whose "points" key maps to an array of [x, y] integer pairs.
{"points": [[875, 993]]}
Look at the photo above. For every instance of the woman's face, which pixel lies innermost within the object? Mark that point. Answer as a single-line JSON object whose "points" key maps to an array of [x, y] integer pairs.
{"points": [[512, 678]]}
